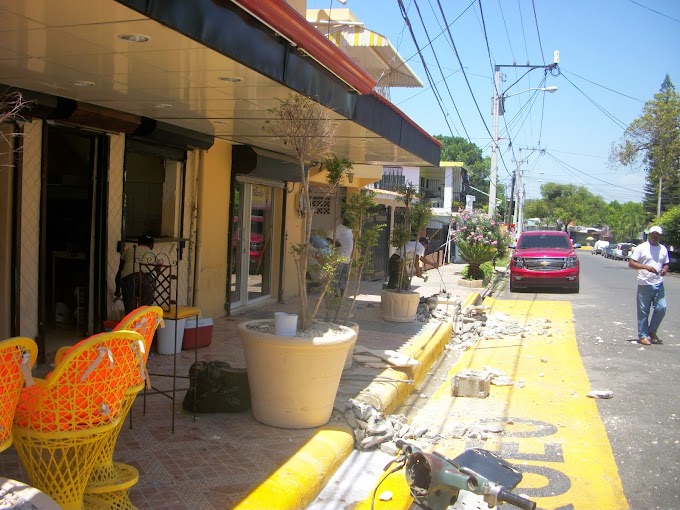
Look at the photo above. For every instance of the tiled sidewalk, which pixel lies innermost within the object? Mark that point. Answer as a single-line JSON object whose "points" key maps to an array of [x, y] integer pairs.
{"points": [[216, 460]]}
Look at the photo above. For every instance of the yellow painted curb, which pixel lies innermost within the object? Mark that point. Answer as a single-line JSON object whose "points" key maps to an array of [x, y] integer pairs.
{"points": [[471, 300], [295, 484], [426, 348]]}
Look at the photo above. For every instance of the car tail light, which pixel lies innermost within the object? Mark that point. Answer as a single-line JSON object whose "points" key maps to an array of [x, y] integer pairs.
{"points": [[571, 262]]}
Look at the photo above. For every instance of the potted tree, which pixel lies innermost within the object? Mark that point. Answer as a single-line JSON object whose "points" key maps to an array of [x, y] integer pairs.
{"points": [[400, 304], [358, 206], [294, 379]]}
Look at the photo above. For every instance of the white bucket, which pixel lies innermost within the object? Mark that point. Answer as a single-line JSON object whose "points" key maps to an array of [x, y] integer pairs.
{"points": [[172, 333], [285, 324]]}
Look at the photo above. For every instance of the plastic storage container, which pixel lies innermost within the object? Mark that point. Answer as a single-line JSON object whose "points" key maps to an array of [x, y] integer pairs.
{"points": [[166, 336], [200, 336]]}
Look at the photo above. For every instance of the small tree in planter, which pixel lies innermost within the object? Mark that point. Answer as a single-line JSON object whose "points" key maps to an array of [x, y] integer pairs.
{"points": [[293, 380], [400, 304], [303, 125], [479, 239]]}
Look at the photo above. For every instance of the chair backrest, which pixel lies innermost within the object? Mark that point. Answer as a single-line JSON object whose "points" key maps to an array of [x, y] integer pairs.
{"points": [[144, 320], [86, 389], [17, 356]]}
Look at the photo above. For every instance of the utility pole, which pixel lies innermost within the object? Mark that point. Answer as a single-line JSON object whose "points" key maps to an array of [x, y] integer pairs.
{"points": [[499, 109], [515, 212]]}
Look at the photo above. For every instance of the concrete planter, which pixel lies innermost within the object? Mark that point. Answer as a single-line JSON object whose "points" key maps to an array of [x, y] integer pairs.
{"points": [[473, 284], [293, 380], [399, 306], [350, 352]]}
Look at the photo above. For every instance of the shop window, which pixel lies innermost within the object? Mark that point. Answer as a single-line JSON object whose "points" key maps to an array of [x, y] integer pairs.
{"points": [[152, 186]]}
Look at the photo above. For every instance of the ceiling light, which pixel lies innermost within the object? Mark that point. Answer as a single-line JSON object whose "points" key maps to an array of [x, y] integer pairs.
{"points": [[136, 38], [231, 79], [83, 83], [162, 105]]}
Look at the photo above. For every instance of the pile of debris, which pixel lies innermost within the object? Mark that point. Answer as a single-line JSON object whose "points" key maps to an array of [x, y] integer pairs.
{"points": [[474, 324], [373, 428], [427, 309]]}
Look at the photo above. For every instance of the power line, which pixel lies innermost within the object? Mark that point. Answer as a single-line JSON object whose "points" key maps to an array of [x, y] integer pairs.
{"points": [[602, 86], [656, 12], [540, 44], [590, 176]]}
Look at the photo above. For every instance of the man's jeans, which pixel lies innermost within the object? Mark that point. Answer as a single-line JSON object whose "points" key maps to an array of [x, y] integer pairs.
{"points": [[650, 297]]}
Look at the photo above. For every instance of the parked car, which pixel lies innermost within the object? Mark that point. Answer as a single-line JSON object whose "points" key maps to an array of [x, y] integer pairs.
{"points": [[674, 263], [622, 251], [599, 247], [255, 246], [608, 251], [544, 258]]}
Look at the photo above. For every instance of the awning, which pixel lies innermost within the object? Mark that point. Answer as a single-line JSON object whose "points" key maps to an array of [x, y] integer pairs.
{"points": [[375, 54]]}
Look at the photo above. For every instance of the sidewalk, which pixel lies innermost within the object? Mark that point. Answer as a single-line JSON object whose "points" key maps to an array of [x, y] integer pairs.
{"points": [[229, 460]]}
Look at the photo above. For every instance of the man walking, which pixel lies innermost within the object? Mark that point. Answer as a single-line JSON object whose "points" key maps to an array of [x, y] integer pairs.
{"points": [[651, 261]]}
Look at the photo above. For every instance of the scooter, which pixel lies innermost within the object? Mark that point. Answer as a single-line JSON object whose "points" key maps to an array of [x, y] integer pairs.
{"points": [[435, 481]]}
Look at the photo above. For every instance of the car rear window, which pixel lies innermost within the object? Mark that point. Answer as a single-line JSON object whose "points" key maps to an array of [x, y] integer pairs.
{"points": [[544, 241]]}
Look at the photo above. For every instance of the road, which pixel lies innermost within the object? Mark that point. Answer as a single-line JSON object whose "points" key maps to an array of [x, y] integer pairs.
{"points": [[640, 425], [643, 418]]}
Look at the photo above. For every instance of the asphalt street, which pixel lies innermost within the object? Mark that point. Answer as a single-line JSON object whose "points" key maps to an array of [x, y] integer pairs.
{"points": [[643, 418]]}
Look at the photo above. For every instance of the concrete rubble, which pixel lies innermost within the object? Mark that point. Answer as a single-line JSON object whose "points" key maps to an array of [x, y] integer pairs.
{"points": [[373, 428]]}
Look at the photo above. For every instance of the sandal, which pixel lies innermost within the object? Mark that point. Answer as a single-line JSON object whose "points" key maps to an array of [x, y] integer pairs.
{"points": [[645, 341], [655, 339]]}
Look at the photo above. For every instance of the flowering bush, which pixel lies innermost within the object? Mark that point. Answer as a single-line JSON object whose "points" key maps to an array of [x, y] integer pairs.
{"points": [[479, 239]]}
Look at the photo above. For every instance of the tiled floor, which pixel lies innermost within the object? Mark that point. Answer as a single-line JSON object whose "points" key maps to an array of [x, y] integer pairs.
{"points": [[216, 460]]}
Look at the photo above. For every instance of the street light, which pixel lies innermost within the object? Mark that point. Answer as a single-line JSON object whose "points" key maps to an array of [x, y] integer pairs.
{"points": [[498, 103]]}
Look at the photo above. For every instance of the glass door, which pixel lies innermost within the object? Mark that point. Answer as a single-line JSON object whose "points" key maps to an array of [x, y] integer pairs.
{"points": [[251, 257]]}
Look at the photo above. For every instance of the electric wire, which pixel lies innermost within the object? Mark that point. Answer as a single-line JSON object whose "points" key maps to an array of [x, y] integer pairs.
{"points": [[656, 12], [521, 22], [486, 38], [590, 176], [602, 86], [415, 3], [507, 34], [427, 71], [538, 32]]}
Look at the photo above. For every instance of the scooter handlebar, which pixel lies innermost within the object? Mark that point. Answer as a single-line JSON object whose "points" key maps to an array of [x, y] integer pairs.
{"points": [[516, 500]]}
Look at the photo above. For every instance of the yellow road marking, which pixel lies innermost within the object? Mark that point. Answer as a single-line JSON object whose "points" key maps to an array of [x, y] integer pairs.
{"points": [[551, 429]]}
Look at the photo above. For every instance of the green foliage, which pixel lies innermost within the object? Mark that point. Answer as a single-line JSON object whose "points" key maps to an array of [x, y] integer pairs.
{"points": [[625, 221], [336, 167], [486, 270], [418, 213], [476, 254], [565, 204], [670, 221], [652, 141]]}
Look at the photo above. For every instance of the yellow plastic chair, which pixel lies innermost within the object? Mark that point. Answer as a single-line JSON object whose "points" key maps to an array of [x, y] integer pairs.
{"points": [[110, 481], [63, 421], [17, 356]]}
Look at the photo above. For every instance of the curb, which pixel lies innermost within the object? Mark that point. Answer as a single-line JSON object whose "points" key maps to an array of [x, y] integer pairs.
{"points": [[295, 485]]}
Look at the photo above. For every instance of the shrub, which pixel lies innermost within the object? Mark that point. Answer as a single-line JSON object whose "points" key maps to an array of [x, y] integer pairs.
{"points": [[479, 239]]}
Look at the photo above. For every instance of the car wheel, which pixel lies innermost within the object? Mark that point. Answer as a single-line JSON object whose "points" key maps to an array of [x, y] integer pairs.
{"points": [[575, 288], [513, 287]]}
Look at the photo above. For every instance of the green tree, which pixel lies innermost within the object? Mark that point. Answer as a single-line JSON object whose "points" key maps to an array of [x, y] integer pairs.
{"points": [[567, 204], [625, 221], [653, 141], [670, 221]]}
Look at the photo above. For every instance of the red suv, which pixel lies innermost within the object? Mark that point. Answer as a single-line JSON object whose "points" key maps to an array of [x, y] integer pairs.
{"points": [[544, 258]]}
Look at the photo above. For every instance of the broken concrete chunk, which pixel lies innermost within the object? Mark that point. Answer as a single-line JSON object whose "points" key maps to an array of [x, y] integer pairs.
{"points": [[471, 383], [600, 394]]}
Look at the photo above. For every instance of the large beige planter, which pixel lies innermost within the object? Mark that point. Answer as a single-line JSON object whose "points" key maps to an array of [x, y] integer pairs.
{"points": [[350, 352], [399, 306], [293, 380]]}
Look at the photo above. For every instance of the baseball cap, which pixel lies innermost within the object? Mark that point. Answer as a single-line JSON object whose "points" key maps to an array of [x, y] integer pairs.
{"points": [[656, 229]]}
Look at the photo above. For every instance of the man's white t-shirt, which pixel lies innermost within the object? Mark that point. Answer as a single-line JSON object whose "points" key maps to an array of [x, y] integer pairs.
{"points": [[413, 248], [345, 238], [655, 256]]}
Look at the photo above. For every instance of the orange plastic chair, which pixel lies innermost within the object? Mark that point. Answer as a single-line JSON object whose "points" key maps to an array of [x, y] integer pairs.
{"points": [[63, 421], [17, 356], [110, 481]]}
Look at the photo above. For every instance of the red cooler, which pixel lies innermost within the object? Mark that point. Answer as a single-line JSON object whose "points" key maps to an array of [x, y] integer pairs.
{"points": [[200, 336]]}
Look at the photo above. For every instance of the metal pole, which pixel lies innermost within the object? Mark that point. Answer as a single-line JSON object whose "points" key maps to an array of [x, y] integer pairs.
{"points": [[518, 187], [494, 143]]}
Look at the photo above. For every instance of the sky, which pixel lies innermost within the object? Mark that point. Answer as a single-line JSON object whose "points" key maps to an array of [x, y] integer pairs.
{"points": [[613, 57]]}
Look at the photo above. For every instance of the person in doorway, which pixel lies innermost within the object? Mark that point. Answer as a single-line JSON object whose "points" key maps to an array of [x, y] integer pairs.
{"points": [[415, 255], [343, 237], [135, 278], [650, 259]]}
